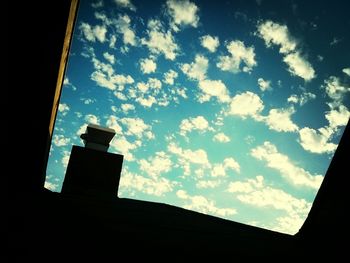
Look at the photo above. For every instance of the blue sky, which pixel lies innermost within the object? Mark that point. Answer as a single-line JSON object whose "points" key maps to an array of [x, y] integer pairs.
{"points": [[228, 108]]}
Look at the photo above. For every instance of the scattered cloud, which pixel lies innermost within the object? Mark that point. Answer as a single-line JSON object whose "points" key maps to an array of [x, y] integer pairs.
{"points": [[156, 165], [60, 140], [170, 76], [317, 141], [277, 34], [256, 193], [109, 57], [182, 13], [137, 127], [63, 108], [93, 33], [121, 145], [213, 88], [280, 120], [264, 84], [334, 41], [346, 71], [200, 184], [196, 70], [301, 99], [221, 137], [147, 66], [296, 175], [198, 123], [126, 107], [335, 89], [112, 123], [51, 186], [239, 55], [210, 43], [125, 4], [219, 170], [122, 24], [203, 205], [97, 4], [159, 41], [246, 104], [299, 66], [112, 41], [65, 158], [338, 117]]}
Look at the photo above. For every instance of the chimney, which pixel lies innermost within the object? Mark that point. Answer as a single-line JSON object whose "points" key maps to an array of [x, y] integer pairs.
{"points": [[91, 170]]}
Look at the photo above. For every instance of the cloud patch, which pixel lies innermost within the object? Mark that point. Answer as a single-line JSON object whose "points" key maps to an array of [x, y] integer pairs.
{"points": [[182, 13], [210, 43]]}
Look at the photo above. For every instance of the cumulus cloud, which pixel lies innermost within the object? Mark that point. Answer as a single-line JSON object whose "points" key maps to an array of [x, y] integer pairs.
{"points": [[51, 186], [239, 55], [207, 184], [156, 165], [130, 182], [221, 137], [256, 193], [335, 89], [301, 99], [299, 66], [182, 13], [147, 66], [137, 127], [109, 57], [112, 41], [317, 141], [346, 71], [277, 34], [219, 170], [213, 88], [112, 123], [280, 120], [198, 123], [125, 4], [60, 140], [203, 205], [338, 117], [247, 104], [126, 107], [122, 25], [65, 159], [63, 108], [170, 76], [196, 70], [264, 84], [160, 41], [296, 175], [210, 43], [121, 145], [93, 33]]}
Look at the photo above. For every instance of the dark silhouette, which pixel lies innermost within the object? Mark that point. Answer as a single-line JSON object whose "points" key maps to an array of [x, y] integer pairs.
{"points": [[45, 226]]}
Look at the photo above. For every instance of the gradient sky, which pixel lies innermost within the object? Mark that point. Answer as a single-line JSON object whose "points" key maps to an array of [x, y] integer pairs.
{"points": [[228, 108]]}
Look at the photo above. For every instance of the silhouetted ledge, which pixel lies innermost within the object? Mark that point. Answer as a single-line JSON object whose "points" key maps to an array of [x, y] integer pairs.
{"points": [[85, 227]]}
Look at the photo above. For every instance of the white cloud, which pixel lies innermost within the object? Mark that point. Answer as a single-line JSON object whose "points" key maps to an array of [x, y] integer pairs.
{"points": [[280, 120], [97, 4], [123, 146], [102, 80], [159, 41], [219, 170], [65, 159], [92, 33], [264, 84], [60, 140], [197, 123], [122, 25], [153, 186], [210, 43], [182, 13], [109, 57], [338, 117], [112, 41], [91, 118], [196, 70], [147, 65], [239, 54], [63, 108], [301, 99], [346, 71], [156, 165], [112, 123], [334, 89], [170, 76], [51, 186], [221, 137], [276, 34], [230, 163], [127, 107], [146, 102], [207, 183], [299, 66], [125, 4], [256, 193], [317, 141], [246, 104], [213, 88], [203, 205], [137, 127], [280, 162]]}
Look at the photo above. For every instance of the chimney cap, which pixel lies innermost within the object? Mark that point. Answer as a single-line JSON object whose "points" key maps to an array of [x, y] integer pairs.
{"points": [[97, 137]]}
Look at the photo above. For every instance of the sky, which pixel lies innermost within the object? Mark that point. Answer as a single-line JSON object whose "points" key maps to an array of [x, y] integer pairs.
{"points": [[228, 108]]}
